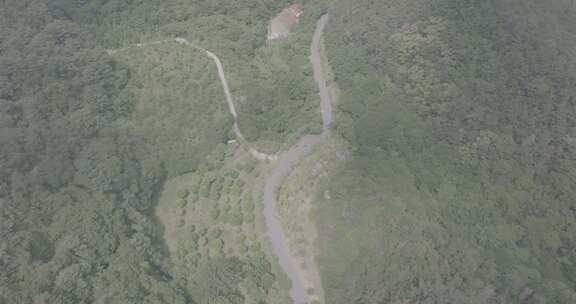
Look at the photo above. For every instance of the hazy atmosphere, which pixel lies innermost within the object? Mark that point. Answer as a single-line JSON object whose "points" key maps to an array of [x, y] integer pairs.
{"points": [[281, 152]]}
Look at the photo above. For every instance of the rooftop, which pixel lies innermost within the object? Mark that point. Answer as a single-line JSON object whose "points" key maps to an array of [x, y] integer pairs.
{"points": [[280, 26]]}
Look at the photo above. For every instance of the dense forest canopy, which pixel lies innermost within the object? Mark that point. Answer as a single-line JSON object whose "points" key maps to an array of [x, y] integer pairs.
{"points": [[461, 189], [88, 137], [460, 115]]}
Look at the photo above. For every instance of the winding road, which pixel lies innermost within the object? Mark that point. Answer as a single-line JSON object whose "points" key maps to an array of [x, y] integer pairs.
{"points": [[285, 163]]}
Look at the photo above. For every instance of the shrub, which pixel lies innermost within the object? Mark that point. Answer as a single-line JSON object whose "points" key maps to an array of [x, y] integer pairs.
{"points": [[234, 174], [249, 218], [215, 233], [217, 245], [255, 246], [214, 213], [181, 202], [183, 193], [233, 218], [193, 197], [203, 241], [235, 190]]}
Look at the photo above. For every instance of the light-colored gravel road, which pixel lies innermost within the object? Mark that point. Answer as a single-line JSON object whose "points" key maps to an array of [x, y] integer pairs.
{"points": [[286, 162]]}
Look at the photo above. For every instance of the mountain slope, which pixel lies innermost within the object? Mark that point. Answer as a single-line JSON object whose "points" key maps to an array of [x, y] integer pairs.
{"points": [[89, 137], [461, 188]]}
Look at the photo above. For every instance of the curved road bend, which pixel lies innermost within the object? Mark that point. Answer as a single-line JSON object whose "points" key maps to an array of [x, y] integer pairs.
{"points": [[284, 165], [286, 160]]}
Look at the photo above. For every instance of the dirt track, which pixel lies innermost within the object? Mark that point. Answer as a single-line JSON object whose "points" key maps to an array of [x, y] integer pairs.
{"points": [[285, 162], [231, 107]]}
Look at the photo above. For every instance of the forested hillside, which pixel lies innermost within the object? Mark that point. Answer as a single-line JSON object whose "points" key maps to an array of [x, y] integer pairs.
{"points": [[88, 137], [272, 85], [462, 184]]}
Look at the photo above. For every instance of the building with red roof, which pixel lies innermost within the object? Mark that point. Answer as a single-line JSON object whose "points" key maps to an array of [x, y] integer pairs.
{"points": [[280, 26]]}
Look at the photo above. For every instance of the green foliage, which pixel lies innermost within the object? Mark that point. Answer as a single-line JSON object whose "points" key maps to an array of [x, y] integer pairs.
{"points": [[217, 245], [279, 99], [40, 247], [214, 213], [248, 166], [216, 189], [249, 218], [235, 190], [207, 180], [88, 136], [232, 174], [234, 218], [460, 114], [191, 245], [255, 247], [75, 190], [249, 206], [217, 281], [192, 198], [215, 233], [183, 193], [182, 203]]}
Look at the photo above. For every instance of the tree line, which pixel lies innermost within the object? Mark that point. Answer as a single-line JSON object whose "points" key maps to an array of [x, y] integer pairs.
{"points": [[461, 185]]}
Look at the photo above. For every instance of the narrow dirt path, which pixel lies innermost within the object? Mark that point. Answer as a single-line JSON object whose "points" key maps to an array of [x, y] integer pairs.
{"points": [[231, 107], [285, 164]]}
